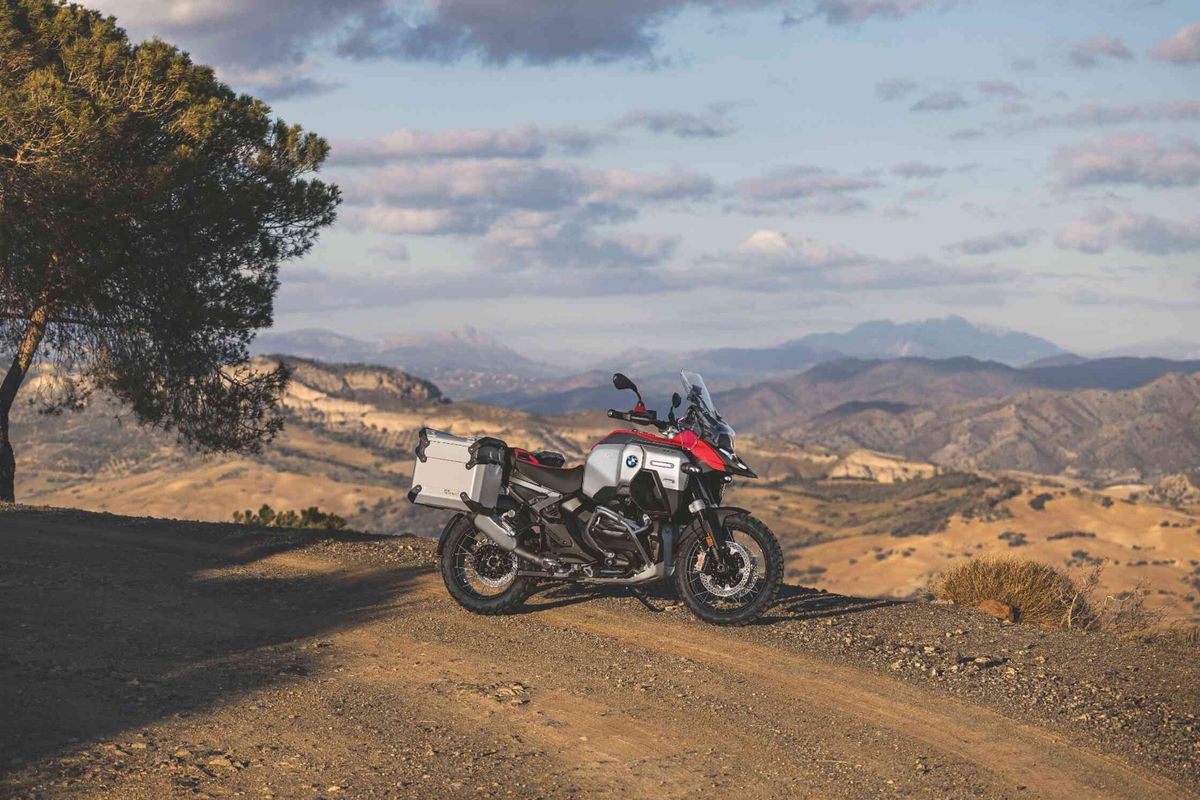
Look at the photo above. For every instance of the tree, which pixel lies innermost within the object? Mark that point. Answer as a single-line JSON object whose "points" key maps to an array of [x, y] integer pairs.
{"points": [[145, 209]]}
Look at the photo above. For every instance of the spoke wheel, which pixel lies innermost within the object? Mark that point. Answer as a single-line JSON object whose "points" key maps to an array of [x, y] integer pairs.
{"points": [[740, 583], [479, 574]]}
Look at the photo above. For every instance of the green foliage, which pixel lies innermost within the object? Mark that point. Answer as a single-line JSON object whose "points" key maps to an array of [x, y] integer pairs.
{"points": [[311, 517], [145, 208]]}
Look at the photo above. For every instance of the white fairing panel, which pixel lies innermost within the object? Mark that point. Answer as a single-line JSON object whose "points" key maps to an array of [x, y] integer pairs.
{"points": [[615, 465], [603, 468], [669, 466]]}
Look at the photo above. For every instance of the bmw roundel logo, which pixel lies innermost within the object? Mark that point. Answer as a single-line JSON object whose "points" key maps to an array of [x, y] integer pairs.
{"points": [[631, 461]]}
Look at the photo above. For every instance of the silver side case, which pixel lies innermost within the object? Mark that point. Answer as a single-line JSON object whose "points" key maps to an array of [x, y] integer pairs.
{"points": [[441, 476]]}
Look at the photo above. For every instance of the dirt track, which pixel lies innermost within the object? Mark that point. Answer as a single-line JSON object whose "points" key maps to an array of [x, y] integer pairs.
{"points": [[147, 659]]}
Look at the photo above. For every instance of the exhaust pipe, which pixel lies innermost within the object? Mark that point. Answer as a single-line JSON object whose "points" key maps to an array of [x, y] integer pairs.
{"points": [[504, 537]]}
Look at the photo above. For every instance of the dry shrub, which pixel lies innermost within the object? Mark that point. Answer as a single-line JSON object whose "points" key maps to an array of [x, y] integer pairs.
{"points": [[1124, 612], [1177, 636], [1040, 594]]}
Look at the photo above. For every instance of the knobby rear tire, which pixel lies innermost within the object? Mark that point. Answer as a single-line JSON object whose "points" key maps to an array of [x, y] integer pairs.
{"points": [[516, 593], [773, 568]]}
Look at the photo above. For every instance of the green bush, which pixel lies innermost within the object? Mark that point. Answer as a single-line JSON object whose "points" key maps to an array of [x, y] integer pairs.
{"points": [[311, 517]]}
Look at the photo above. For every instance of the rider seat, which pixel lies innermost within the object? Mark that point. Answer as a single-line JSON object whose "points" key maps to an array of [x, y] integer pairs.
{"points": [[564, 481]]}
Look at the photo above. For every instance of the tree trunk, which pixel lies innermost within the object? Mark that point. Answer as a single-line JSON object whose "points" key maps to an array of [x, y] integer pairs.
{"points": [[28, 348]]}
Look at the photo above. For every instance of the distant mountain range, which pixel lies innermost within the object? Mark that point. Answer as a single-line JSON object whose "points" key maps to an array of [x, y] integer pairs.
{"points": [[933, 338], [464, 362], [1106, 435], [657, 373], [854, 384], [931, 362]]}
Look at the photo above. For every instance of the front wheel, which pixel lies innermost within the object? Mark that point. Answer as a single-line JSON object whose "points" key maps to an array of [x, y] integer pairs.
{"points": [[742, 585]]}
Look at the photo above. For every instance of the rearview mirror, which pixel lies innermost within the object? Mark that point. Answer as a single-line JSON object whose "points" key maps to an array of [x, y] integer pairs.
{"points": [[622, 382], [676, 400]]}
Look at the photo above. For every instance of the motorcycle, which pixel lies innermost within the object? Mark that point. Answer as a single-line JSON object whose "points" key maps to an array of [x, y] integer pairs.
{"points": [[644, 507]]}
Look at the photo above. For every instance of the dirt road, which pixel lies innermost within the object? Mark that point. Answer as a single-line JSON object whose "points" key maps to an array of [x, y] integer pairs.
{"points": [[150, 659]]}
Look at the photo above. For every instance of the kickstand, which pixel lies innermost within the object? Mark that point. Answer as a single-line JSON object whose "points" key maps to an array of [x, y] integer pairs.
{"points": [[641, 595]]}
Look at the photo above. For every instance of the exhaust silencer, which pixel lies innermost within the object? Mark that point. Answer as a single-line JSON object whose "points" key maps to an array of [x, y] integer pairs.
{"points": [[504, 537]]}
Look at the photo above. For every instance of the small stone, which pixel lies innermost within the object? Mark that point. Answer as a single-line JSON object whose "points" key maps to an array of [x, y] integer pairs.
{"points": [[220, 761]]}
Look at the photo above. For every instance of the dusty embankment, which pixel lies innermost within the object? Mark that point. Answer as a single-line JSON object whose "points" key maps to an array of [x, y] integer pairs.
{"points": [[150, 659]]}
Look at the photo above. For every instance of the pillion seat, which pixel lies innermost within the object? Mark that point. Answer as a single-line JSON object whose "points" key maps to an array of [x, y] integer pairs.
{"points": [[564, 481]]}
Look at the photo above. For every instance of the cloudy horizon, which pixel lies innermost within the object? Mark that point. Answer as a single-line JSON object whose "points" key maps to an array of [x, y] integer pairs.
{"points": [[585, 177]]}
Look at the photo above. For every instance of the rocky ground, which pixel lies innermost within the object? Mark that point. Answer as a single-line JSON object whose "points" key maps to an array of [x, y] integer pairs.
{"points": [[150, 659]]}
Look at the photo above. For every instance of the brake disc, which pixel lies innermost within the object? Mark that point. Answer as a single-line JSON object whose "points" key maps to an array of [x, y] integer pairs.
{"points": [[493, 566], [731, 585]]}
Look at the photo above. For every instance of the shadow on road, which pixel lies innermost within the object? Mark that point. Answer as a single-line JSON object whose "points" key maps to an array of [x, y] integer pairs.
{"points": [[792, 603], [108, 624]]}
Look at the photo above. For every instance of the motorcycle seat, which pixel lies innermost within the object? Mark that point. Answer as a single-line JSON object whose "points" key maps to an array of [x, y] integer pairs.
{"points": [[564, 481]]}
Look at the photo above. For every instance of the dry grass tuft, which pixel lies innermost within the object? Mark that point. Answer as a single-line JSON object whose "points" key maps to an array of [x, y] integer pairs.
{"points": [[1040, 594]]}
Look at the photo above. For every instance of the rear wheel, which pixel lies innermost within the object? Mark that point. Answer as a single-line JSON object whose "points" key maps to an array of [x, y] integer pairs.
{"points": [[737, 589], [479, 574]]}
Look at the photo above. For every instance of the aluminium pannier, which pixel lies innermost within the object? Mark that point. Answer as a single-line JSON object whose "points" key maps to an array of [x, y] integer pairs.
{"points": [[455, 472]]}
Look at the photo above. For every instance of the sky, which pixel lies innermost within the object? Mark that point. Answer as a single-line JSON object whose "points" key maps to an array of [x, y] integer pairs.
{"points": [[582, 177]]}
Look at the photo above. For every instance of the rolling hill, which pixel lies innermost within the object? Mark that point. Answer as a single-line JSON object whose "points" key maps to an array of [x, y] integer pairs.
{"points": [[464, 362], [1132, 434], [838, 388]]}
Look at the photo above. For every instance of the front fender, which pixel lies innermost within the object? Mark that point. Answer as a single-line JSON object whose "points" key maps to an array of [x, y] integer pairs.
{"points": [[723, 513]]}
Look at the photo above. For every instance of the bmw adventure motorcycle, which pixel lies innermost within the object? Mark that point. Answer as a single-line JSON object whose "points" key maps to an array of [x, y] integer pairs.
{"points": [[644, 507]]}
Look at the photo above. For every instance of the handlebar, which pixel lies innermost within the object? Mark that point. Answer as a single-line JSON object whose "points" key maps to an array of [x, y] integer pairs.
{"points": [[640, 418]]}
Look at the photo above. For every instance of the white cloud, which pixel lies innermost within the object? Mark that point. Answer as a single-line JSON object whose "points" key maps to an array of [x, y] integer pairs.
{"points": [[838, 12], [993, 243], [1181, 47], [250, 33], [267, 32], [918, 169], [1143, 233], [770, 259], [406, 144], [999, 89], [778, 249], [1105, 116], [895, 88], [788, 183], [279, 82], [710, 125], [940, 101], [1130, 159], [1090, 53]]}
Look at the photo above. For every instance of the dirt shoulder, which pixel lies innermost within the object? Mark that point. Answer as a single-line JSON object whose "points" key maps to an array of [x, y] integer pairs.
{"points": [[147, 658]]}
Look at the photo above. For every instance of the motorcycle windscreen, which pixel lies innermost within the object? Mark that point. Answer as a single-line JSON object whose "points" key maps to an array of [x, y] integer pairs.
{"points": [[700, 398]]}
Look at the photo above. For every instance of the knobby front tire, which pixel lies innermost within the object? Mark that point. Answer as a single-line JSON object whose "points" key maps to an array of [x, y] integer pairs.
{"points": [[728, 602]]}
